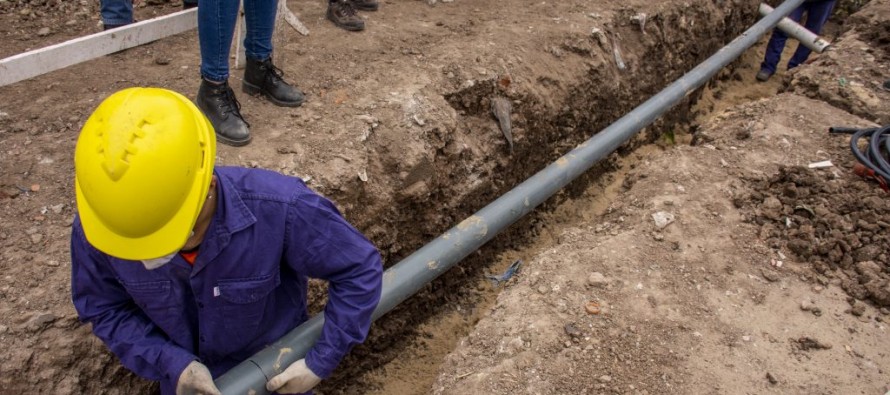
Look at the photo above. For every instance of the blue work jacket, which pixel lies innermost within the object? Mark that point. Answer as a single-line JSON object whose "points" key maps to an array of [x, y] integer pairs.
{"points": [[246, 288]]}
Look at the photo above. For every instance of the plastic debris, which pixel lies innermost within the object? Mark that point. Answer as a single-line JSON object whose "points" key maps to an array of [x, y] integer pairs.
{"points": [[500, 108], [511, 270], [616, 51], [820, 165], [593, 307]]}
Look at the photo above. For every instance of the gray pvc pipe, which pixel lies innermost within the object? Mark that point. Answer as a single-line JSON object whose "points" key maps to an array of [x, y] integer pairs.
{"points": [[793, 29], [414, 272]]}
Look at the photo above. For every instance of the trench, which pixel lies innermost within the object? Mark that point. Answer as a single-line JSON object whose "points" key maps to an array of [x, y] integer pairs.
{"points": [[406, 347]]}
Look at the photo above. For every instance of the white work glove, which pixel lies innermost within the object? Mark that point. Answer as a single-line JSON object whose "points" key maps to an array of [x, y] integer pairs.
{"points": [[196, 380], [296, 379]]}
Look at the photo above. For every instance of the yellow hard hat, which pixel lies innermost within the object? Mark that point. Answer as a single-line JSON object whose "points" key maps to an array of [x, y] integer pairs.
{"points": [[143, 166]]}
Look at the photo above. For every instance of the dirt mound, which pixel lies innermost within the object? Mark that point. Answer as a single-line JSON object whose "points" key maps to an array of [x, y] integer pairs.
{"points": [[850, 74], [834, 221]]}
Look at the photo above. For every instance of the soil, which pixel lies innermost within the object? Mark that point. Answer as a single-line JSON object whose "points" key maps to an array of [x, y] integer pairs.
{"points": [[398, 131]]}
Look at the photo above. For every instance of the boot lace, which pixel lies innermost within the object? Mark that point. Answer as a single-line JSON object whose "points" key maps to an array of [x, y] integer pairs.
{"points": [[230, 105], [275, 74], [346, 8]]}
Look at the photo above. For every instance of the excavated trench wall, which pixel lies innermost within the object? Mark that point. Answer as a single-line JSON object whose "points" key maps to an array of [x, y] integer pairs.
{"points": [[563, 85], [552, 113]]}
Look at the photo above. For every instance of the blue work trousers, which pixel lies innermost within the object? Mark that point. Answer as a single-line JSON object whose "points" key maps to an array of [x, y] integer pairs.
{"points": [[216, 26], [817, 14], [120, 12]]}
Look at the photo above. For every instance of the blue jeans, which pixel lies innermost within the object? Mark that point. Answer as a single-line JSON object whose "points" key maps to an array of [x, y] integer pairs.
{"points": [[817, 14], [216, 26], [116, 12], [120, 12]]}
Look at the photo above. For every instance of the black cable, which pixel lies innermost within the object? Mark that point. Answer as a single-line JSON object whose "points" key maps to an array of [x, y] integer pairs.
{"points": [[875, 157]]}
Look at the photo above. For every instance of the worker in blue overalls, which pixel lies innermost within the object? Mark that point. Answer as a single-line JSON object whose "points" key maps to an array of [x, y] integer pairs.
{"points": [[817, 12], [186, 270]]}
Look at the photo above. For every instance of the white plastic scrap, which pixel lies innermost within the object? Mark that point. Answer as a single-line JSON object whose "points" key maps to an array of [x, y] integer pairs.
{"points": [[821, 165]]}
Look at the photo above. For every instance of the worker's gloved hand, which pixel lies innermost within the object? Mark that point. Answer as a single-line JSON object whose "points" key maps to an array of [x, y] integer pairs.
{"points": [[196, 380], [296, 379]]}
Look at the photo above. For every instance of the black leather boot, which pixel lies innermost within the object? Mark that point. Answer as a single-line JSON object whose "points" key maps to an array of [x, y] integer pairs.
{"points": [[219, 105], [261, 77], [365, 5]]}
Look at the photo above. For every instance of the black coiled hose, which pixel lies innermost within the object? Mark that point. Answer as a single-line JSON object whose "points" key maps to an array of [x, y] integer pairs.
{"points": [[874, 159]]}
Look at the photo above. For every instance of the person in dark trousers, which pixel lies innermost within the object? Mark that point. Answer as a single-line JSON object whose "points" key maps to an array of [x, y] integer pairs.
{"points": [[216, 26], [185, 269], [117, 13], [343, 13], [817, 12]]}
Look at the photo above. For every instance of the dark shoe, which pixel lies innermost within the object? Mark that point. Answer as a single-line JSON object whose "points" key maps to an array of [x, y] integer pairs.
{"points": [[261, 77], [109, 27], [342, 13], [365, 5], [219, 105], [763, 75]]}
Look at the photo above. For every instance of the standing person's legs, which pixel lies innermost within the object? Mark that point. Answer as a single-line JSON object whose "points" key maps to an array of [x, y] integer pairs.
{"points": [[116, 13], [775, 47], [260, 18], [216, 26], [261, 77], [817, 14]]}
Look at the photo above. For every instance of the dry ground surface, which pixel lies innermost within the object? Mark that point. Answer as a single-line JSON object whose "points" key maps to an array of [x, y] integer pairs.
{"points": [[397, 131]]}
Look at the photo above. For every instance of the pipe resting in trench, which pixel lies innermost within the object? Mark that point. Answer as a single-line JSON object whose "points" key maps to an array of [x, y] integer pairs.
{"points": [[426, 264]]}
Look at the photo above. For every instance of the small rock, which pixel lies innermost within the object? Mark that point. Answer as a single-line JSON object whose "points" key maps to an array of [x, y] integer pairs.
{"points": [[769, 275], [36, 238], [662, 219], [658, 237], [38, 321], [806, 305], [542, 289], [162, 60], [52, 263], [771, 378], [572, 330], [3, 329], [43, 32], [605, 378], [597, 279], [57, 209], [746, 338], [35, 187], [370, 120], [71, 22], [858, 308], [808, 343]]}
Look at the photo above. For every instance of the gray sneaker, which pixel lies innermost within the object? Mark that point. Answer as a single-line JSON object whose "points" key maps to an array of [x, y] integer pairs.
{"points": [[342, 13], [763, 75]]}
